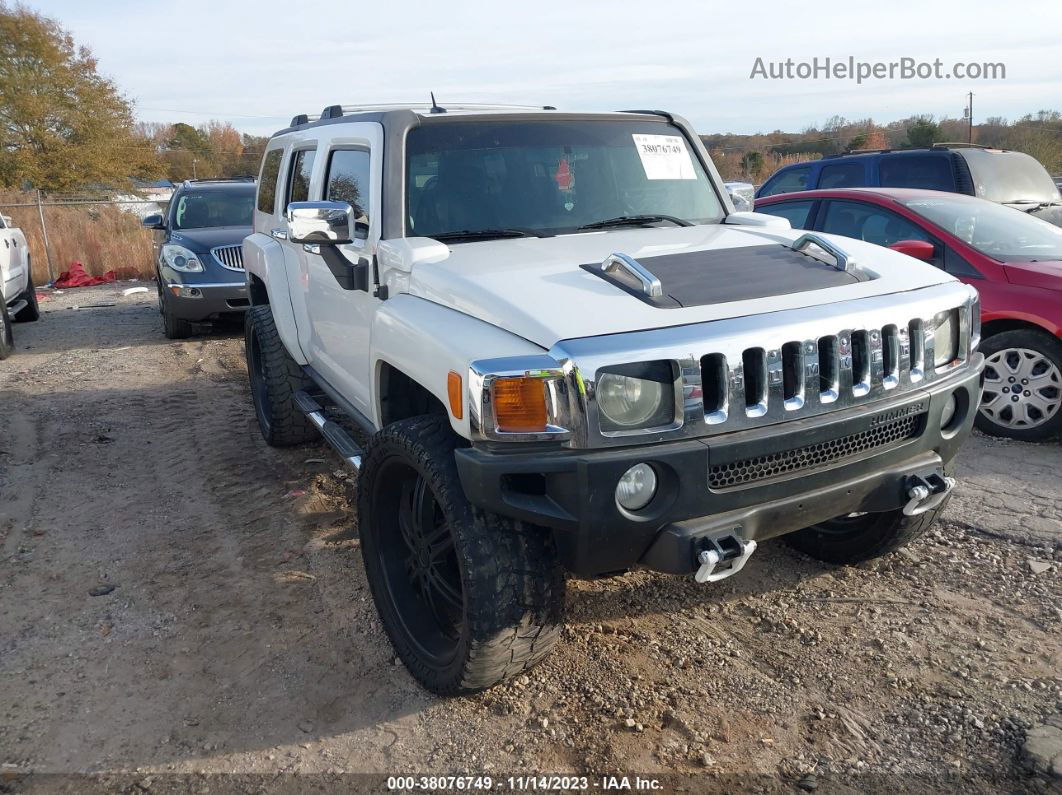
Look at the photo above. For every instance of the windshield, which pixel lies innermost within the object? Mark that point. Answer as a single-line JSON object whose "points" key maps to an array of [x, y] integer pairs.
{"points": [[1003, 233], [214, 208], [1010, 177], [552, 177]]}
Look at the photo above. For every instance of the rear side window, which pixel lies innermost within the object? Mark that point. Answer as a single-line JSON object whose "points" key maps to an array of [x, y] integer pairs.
{"points": [[267, 181], [299, 180], [348, 181], [917, 171], [842, 175], [788, 181], [794, 212]]}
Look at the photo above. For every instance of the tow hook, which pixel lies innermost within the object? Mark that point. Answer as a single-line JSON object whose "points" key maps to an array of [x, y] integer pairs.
{"points": [[728, 549], [926, 492]]}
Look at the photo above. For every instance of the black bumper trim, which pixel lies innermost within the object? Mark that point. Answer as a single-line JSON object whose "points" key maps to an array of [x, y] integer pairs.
{"points": [[572, 492]]}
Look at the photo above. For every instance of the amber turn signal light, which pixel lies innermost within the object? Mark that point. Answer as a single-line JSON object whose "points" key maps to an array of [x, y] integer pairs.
{"points": [[520, 405], [453, 391]]}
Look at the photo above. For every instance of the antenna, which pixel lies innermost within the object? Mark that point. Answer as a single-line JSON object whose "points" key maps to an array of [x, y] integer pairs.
{"points": [[434, 105]]}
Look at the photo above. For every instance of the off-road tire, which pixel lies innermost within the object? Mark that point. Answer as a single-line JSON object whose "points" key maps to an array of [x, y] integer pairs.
{"points": [[275, 378], [512, 586], [7, 337], [855, 539], [31, 311], [1050, 348]]}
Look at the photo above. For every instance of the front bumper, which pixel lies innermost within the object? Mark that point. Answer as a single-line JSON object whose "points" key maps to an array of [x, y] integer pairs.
{"points": [[572, 492], [197, 302]]}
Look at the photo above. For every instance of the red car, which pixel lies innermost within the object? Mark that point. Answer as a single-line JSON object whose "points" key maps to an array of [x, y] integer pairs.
{"points": [[1014, 261]]}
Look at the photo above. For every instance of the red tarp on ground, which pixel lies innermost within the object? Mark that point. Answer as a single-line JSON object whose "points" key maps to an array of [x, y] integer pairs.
{"points": [[76, 277]]}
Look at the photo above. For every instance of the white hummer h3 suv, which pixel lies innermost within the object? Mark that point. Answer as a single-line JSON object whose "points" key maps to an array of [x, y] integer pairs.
{"points": [[549, 344]]}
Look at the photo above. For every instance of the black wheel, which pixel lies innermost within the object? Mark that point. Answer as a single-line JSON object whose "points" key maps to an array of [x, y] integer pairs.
{"points": [[468, 599], [7, 337], [275, 378], [1022, 397], [31, 311], [862, 536], [175, 328]]}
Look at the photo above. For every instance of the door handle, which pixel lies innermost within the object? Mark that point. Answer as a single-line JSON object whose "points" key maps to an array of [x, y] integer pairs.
{"points": [[279, 234]]}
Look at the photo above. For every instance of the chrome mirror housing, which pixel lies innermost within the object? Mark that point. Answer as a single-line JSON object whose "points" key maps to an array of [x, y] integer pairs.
{"points": [[328, 223]]}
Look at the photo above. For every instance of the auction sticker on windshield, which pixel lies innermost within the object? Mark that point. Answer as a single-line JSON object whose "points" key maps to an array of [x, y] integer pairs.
{"points": [[664, 156]]}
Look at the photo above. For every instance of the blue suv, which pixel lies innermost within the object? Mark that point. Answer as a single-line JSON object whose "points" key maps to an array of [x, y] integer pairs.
{"points": [[999, 175]]}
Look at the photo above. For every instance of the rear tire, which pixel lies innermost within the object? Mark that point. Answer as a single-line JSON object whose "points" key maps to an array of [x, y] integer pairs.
{"points": [[468, 599], [7, 337], [31, 311], [857, 538], [1022, 397], [275, 378]]}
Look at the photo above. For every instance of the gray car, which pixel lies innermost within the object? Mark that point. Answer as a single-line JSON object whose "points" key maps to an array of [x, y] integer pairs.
{"points": [[197, 250]]}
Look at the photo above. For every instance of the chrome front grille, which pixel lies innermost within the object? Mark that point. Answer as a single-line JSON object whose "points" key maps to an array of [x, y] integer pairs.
{"points": [[757, 370], [230, 257]]}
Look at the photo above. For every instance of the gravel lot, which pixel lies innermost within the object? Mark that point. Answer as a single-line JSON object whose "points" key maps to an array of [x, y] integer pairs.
{"points": [[233, 631]]}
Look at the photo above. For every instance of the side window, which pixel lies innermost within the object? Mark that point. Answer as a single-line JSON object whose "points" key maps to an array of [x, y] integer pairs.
{"points": [[873, 224], [917, 171], [842, 175], [795, 212], [788, 181], [299, 177], [347, 180], [267, 181]]}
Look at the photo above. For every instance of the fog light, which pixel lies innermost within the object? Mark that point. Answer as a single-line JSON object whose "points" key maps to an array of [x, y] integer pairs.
{"points": [[948, 414], [636, 488]]}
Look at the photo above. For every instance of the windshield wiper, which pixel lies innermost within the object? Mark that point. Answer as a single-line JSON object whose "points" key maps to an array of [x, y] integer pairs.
{"points": [[635, 220], [485, 234]]}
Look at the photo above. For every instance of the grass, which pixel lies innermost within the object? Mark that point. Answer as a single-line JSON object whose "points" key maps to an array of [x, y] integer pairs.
{"points": [[102, 237]]}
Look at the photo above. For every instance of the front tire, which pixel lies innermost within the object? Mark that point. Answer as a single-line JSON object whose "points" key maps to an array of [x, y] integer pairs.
{"points": [[31, 311], [7, 336], [859, 537], [468, 599], [275, 378], [1022, 397]]}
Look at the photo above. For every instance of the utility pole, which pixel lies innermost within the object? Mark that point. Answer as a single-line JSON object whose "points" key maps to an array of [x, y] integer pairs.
{"points": [[44, 232], [194, 161], [969, 118]]}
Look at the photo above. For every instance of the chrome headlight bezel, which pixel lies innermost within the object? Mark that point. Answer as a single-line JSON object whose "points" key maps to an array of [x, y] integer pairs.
{"points": [[946, 337], [650, 384]]}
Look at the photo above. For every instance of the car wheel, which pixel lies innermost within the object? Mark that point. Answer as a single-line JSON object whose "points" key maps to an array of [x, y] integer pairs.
{"points": [[31, 311], [7, 337], [275, 378], [468, 599], [857, 537], [1022, 396]]}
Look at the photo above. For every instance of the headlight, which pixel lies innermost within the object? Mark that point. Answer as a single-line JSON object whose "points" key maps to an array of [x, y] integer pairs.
{"points": [[181, 259], [945, 337], [636, 396], [975, 324]]}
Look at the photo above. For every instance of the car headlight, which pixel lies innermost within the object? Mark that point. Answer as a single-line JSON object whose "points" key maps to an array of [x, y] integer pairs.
{"points": [[946, 337], [636, 396], [181, 259]]}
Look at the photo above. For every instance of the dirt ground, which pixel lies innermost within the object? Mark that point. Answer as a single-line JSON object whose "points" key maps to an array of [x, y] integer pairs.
{"points": [[236, 633]]}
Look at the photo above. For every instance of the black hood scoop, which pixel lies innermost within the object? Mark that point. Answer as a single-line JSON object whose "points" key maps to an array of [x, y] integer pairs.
{"points": [[718, 276]]}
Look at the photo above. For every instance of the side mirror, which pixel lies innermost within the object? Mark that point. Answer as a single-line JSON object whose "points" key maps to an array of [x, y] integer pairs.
{"points": [[742, 194], [324, 223], [919, 249], [155, 221]]}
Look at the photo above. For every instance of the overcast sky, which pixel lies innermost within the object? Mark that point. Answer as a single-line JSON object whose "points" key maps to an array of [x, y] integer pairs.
{"points": [[258, 63]]}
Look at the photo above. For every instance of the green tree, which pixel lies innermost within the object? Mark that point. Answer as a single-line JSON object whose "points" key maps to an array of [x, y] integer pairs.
{"points": [[923, 131], [63, 126], [752, 164]]}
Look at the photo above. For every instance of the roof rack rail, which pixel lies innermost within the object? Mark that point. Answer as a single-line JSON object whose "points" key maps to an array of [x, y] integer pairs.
{"points": [[962, 145], [240, 178], [338, 111]]}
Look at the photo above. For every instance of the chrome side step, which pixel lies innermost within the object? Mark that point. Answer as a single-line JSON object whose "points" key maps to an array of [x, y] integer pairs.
{"points": [[334, 433], [17, 307]]}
